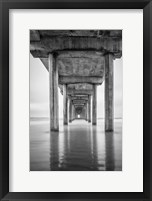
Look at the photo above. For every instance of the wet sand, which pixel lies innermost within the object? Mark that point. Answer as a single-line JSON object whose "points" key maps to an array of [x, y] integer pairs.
{"points": [[76, 147]]}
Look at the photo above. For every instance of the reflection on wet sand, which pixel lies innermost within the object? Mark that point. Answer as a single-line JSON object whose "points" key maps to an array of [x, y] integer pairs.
{"points": [[76, 147]]}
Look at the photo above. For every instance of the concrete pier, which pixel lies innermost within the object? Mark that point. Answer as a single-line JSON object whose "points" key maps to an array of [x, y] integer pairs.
{"points": [[79, 61], [70, 110], [53, 82], [86, 111], [65, 105], [94, 105], [73, 112], [89, 109], [109, 109]]}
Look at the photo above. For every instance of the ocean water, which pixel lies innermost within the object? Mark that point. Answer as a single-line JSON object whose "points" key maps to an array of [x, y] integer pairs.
{"points": [[78, 146]]}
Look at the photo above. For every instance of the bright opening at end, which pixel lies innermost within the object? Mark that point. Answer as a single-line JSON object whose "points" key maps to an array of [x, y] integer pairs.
{"points": [[78, 116]]}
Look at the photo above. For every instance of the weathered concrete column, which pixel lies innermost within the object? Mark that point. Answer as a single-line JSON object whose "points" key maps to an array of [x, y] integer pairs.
{"points": [[70, 111], [86, 112], [89, 108], [109, 109], [65, 105], [53, 81], [94, 105], [73, 113]]}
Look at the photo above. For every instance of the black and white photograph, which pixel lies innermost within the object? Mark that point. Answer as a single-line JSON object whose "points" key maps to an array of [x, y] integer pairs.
{"points": [[76, 100]]}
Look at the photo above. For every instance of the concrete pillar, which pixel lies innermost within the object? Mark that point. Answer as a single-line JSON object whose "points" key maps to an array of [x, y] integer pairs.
{"points": [[89, 108], [94, 105], [53, 82], [73, 112], [109, 109], [65, 105], [86, 111], [70, 111]]}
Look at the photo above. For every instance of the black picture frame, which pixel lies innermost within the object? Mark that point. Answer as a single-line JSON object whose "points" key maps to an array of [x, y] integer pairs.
{"points": [[5, 5]]}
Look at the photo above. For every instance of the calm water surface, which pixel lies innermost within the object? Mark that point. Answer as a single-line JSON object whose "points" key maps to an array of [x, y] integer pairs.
{"points": [[76, 147]]}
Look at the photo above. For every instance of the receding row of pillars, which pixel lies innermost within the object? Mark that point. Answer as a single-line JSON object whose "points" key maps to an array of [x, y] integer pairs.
{"points": [[72, 110], [54, 113]]}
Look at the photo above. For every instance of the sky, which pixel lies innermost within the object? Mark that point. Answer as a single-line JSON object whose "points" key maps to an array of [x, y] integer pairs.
{"points": [[39, 91]]}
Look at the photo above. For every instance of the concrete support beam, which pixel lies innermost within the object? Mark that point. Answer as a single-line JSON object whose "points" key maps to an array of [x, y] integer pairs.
{"points": [[75, 104], [80, 79], [49, 44], [75, 92], [89, 109], [53, 81], [80, 54], [94, 105], [70, 111], [79, 98], [109, 109], [65, 105], [79, 101]]}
